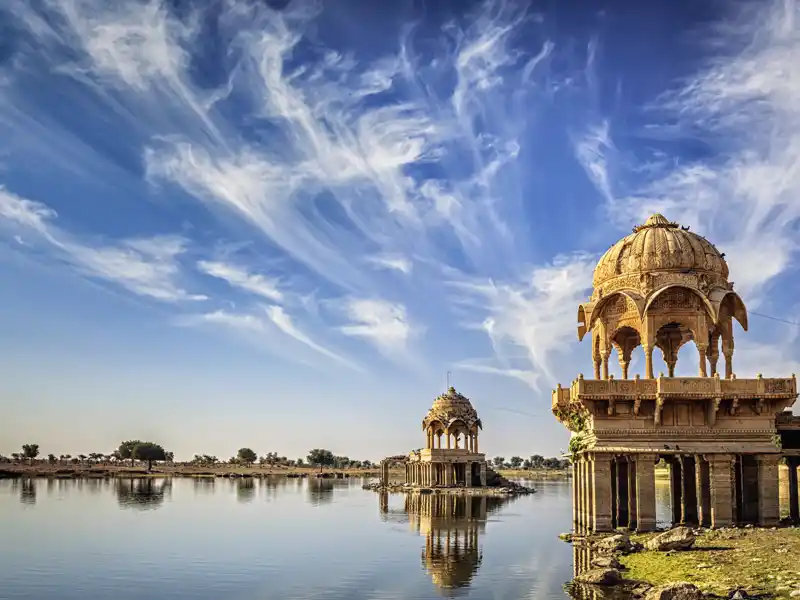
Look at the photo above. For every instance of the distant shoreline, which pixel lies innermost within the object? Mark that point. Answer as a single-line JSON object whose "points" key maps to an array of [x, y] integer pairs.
{"points": [[235, 471]]}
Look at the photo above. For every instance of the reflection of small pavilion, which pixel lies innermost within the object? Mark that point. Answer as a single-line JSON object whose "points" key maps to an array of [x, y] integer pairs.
{"points": [[452, 526]]}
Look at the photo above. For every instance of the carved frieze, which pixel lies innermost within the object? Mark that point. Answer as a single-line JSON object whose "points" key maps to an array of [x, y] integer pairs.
{"points": [[676, 299]]}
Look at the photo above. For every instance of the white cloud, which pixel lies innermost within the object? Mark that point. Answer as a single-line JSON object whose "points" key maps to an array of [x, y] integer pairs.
{"points": [[396, 263], [592, 152], [237, 276], [379, 322], [145, 266], [531, 324], [745, 103]]}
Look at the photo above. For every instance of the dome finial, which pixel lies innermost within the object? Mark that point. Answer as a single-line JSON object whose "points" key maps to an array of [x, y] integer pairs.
{"points": [[656, 220]]}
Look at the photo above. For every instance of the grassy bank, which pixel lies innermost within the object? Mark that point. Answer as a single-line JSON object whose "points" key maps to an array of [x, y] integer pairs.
{"points": [[534, 473], [762, 561]]}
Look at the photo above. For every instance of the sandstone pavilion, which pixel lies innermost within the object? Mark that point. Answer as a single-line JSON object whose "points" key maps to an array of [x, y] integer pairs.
{"points": [[450, 456], [722, 437]]}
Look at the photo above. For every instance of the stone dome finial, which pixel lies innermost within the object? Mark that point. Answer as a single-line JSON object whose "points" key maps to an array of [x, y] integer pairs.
{"points": [[451, 407]]}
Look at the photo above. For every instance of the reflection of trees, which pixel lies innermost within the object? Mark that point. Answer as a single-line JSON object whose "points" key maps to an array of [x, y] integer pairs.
{"points": [[204, 485], [142, 493], [320, 491], [452, 526], [245, 489], [27, 491]]}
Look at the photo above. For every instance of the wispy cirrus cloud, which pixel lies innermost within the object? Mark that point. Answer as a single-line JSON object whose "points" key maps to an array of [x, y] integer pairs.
{"points": [[239, 277], [145, 266], [381, 323], [743, 191], [531, 323]]}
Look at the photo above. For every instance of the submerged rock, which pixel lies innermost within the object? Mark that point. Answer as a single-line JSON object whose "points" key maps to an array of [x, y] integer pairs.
{"points": [[675, 591], [680, 538], [600, 577]]}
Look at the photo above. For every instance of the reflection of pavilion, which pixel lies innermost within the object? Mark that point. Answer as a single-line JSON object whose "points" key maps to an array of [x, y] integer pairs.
{"points": [[452, 526]]}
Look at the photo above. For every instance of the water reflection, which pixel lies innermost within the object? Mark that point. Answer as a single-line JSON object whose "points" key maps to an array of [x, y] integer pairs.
{"points": [[582, 556], [142, 493], [27, 490], [320, 491], [245, 489], [452, 526]]}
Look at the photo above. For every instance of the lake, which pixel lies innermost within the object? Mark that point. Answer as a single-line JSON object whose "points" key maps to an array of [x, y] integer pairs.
{"points": [[278, 538]]}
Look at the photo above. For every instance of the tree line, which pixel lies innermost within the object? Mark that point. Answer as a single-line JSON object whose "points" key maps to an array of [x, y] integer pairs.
{"points": [[535, 461], [132, 451]]}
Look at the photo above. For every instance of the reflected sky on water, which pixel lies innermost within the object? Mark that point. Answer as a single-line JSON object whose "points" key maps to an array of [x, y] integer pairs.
{"points": [[259, 539]]}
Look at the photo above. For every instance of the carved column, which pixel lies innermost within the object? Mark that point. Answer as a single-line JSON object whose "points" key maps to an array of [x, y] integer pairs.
{"points": [[648, 362], [701, 350], [483, 473], [601, 478], [476, 442], [622, 492], [689, 496], [676, 489], [720, 466], [703, 481], [575, 497], [768, 503], [632, 492], [604, 355], [645, 493], [794, 508]]}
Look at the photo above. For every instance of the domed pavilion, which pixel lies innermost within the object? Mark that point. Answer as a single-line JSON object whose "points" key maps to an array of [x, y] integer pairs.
{"points": [[664, 287], [450, 456]]}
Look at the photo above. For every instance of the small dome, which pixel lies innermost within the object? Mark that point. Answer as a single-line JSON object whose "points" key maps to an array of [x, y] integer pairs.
{"points": [[659, 245], [449, 407]]}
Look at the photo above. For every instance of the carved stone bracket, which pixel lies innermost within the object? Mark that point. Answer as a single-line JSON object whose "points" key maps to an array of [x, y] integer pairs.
{"points": [[713, 408], [612, 404], [734, 407], [637, 404], [657, 413]]}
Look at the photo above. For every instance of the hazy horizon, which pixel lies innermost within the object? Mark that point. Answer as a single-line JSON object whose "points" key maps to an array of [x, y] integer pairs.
{"points": [[281, 225]]}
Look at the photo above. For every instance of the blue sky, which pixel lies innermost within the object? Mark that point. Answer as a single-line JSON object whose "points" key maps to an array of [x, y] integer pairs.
{"points": [[280, 225]]}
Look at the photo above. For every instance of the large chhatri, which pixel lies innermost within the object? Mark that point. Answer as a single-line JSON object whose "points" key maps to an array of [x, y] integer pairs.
{"points": [[662, 287]]}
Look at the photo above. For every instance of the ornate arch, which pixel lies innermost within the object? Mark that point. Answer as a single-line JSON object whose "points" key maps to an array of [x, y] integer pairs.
{"points": [[599, 308], [675, 286], [737, 308]]}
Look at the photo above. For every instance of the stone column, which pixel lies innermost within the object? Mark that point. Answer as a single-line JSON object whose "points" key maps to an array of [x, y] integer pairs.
{"points": [[676, 489], [614, 486], [689, 495], [623, 517], [720, 466], [769, 512], [597, 363], [728, 352], [483, 474], [468, 475], [632, 488], [601, 478], [794, 508], [703, 484], [582, 510], [574, 497], [648, 362], [645, 493], [476, 442], [702, 349], [604, 355]]}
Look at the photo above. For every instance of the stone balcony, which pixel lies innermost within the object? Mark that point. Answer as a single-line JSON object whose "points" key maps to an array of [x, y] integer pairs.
{"points": [[451, 454], [610, 398]]}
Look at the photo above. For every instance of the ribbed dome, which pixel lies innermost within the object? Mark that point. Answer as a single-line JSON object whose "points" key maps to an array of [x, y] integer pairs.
{"points": [[659, 245], [449, 407]]}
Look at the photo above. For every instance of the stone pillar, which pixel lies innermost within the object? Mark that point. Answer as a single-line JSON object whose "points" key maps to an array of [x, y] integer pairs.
{"points": [[645, 493], [597, 363], [676, 489], [483, 473], [574, 496], [703, 484], [468, 475], [728, 362], [701, 349], [648, 362], [604, 355], [720, 466], [601, 478], [794, 508], [614, 486], [632, 507], [582, 520], [769, 512], [623, 517], [689, 495]]}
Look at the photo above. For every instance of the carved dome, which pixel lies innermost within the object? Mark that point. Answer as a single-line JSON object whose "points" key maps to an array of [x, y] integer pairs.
{"points": [[450, 407], [660, 245]]}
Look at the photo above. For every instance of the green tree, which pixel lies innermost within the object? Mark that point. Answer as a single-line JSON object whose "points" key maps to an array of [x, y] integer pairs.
{"points": [[51, 458], [125, 450], [246, 456], [498, 461], [148, 451], [30, 451], [300, 462], [321, 458], [515, 461], [537, 461]]}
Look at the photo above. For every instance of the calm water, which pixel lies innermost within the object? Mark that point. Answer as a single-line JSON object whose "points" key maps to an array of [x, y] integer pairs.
{"points": [[278, 538]]}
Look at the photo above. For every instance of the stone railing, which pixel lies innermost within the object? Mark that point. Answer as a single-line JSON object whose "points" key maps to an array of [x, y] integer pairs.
{"points": [[705, 387]]}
